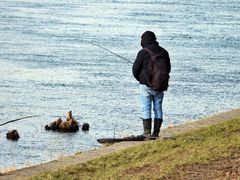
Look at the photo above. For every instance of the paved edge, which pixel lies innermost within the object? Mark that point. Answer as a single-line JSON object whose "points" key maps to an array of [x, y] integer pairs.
{"points": [[105, 150]]}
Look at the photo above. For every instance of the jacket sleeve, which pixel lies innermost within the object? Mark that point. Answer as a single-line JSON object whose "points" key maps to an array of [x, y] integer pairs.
{"points": [[168, 61], [137, 65]]}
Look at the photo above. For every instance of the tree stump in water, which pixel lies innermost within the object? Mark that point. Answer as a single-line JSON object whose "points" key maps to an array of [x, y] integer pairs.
{"points": [[70, 125], [54, 125], [69, 115], [13, 135]]}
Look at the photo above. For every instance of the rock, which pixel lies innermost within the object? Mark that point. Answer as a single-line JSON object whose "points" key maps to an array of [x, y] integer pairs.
{"points": [[85, 127], [13, 135]]}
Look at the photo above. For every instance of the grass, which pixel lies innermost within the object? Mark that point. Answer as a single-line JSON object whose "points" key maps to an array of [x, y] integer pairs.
{"points": [[157, 159]]}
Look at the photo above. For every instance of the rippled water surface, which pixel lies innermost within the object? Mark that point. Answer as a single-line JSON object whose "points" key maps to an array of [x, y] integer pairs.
{"points": [[48, 67]]}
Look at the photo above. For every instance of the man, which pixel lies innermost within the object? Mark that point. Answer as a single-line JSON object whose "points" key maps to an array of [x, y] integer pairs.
{"points": [[148, 95]]}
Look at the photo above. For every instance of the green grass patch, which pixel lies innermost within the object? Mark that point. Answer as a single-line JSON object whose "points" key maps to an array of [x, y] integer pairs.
{"points": [[156, 159]]}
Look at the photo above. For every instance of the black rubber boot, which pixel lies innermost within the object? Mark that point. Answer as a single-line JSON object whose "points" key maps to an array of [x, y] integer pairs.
{"points": [[147, 125], [156, 128]]}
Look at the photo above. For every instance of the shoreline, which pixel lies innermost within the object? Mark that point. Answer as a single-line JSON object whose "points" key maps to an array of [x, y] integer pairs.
{"points": [[105, 150]]}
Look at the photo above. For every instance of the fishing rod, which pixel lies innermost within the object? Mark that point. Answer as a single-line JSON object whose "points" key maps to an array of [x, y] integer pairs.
{"points": [[26, 117], [125, 59]]}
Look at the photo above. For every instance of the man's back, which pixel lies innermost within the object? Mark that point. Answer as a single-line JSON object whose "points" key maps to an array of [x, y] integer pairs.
{"points": [[140, 66]]}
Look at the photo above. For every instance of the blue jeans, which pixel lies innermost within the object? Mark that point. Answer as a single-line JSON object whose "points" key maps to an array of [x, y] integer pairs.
{"points": [[149, 97]]}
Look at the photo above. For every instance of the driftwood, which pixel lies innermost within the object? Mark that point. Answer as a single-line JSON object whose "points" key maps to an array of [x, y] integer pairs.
{"points": [[70, 125], [13, 135], [114, 140]]}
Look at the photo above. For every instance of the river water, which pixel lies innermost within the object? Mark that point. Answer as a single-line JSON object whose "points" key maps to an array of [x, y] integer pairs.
{"points": [[48, 67]]}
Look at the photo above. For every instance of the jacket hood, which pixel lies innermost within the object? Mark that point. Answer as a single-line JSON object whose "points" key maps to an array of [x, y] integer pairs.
{"points": [[147, 38]]}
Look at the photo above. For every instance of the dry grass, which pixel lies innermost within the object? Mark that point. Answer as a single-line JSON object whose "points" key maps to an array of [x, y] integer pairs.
{"points": [[158, 159]]}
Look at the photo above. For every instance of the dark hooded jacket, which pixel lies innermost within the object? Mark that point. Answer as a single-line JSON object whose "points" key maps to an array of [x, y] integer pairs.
{"points": [[140, 66]]}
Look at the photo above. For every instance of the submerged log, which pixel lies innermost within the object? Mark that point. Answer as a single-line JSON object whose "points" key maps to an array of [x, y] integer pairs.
{"points": [[13, 135]]}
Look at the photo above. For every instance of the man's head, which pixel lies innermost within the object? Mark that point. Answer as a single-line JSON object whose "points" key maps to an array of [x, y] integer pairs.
{"points": [[148, 37]]}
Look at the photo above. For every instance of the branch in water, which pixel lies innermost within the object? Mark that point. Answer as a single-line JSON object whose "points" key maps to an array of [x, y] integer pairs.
{"points": [[26, 117]]}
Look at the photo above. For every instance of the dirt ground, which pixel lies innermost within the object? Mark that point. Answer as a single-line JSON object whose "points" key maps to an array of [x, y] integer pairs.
{"points": [[224, 169]]}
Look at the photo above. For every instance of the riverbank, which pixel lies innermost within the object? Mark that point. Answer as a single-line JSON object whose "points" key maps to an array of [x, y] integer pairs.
{"points": [[169, 133]]}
